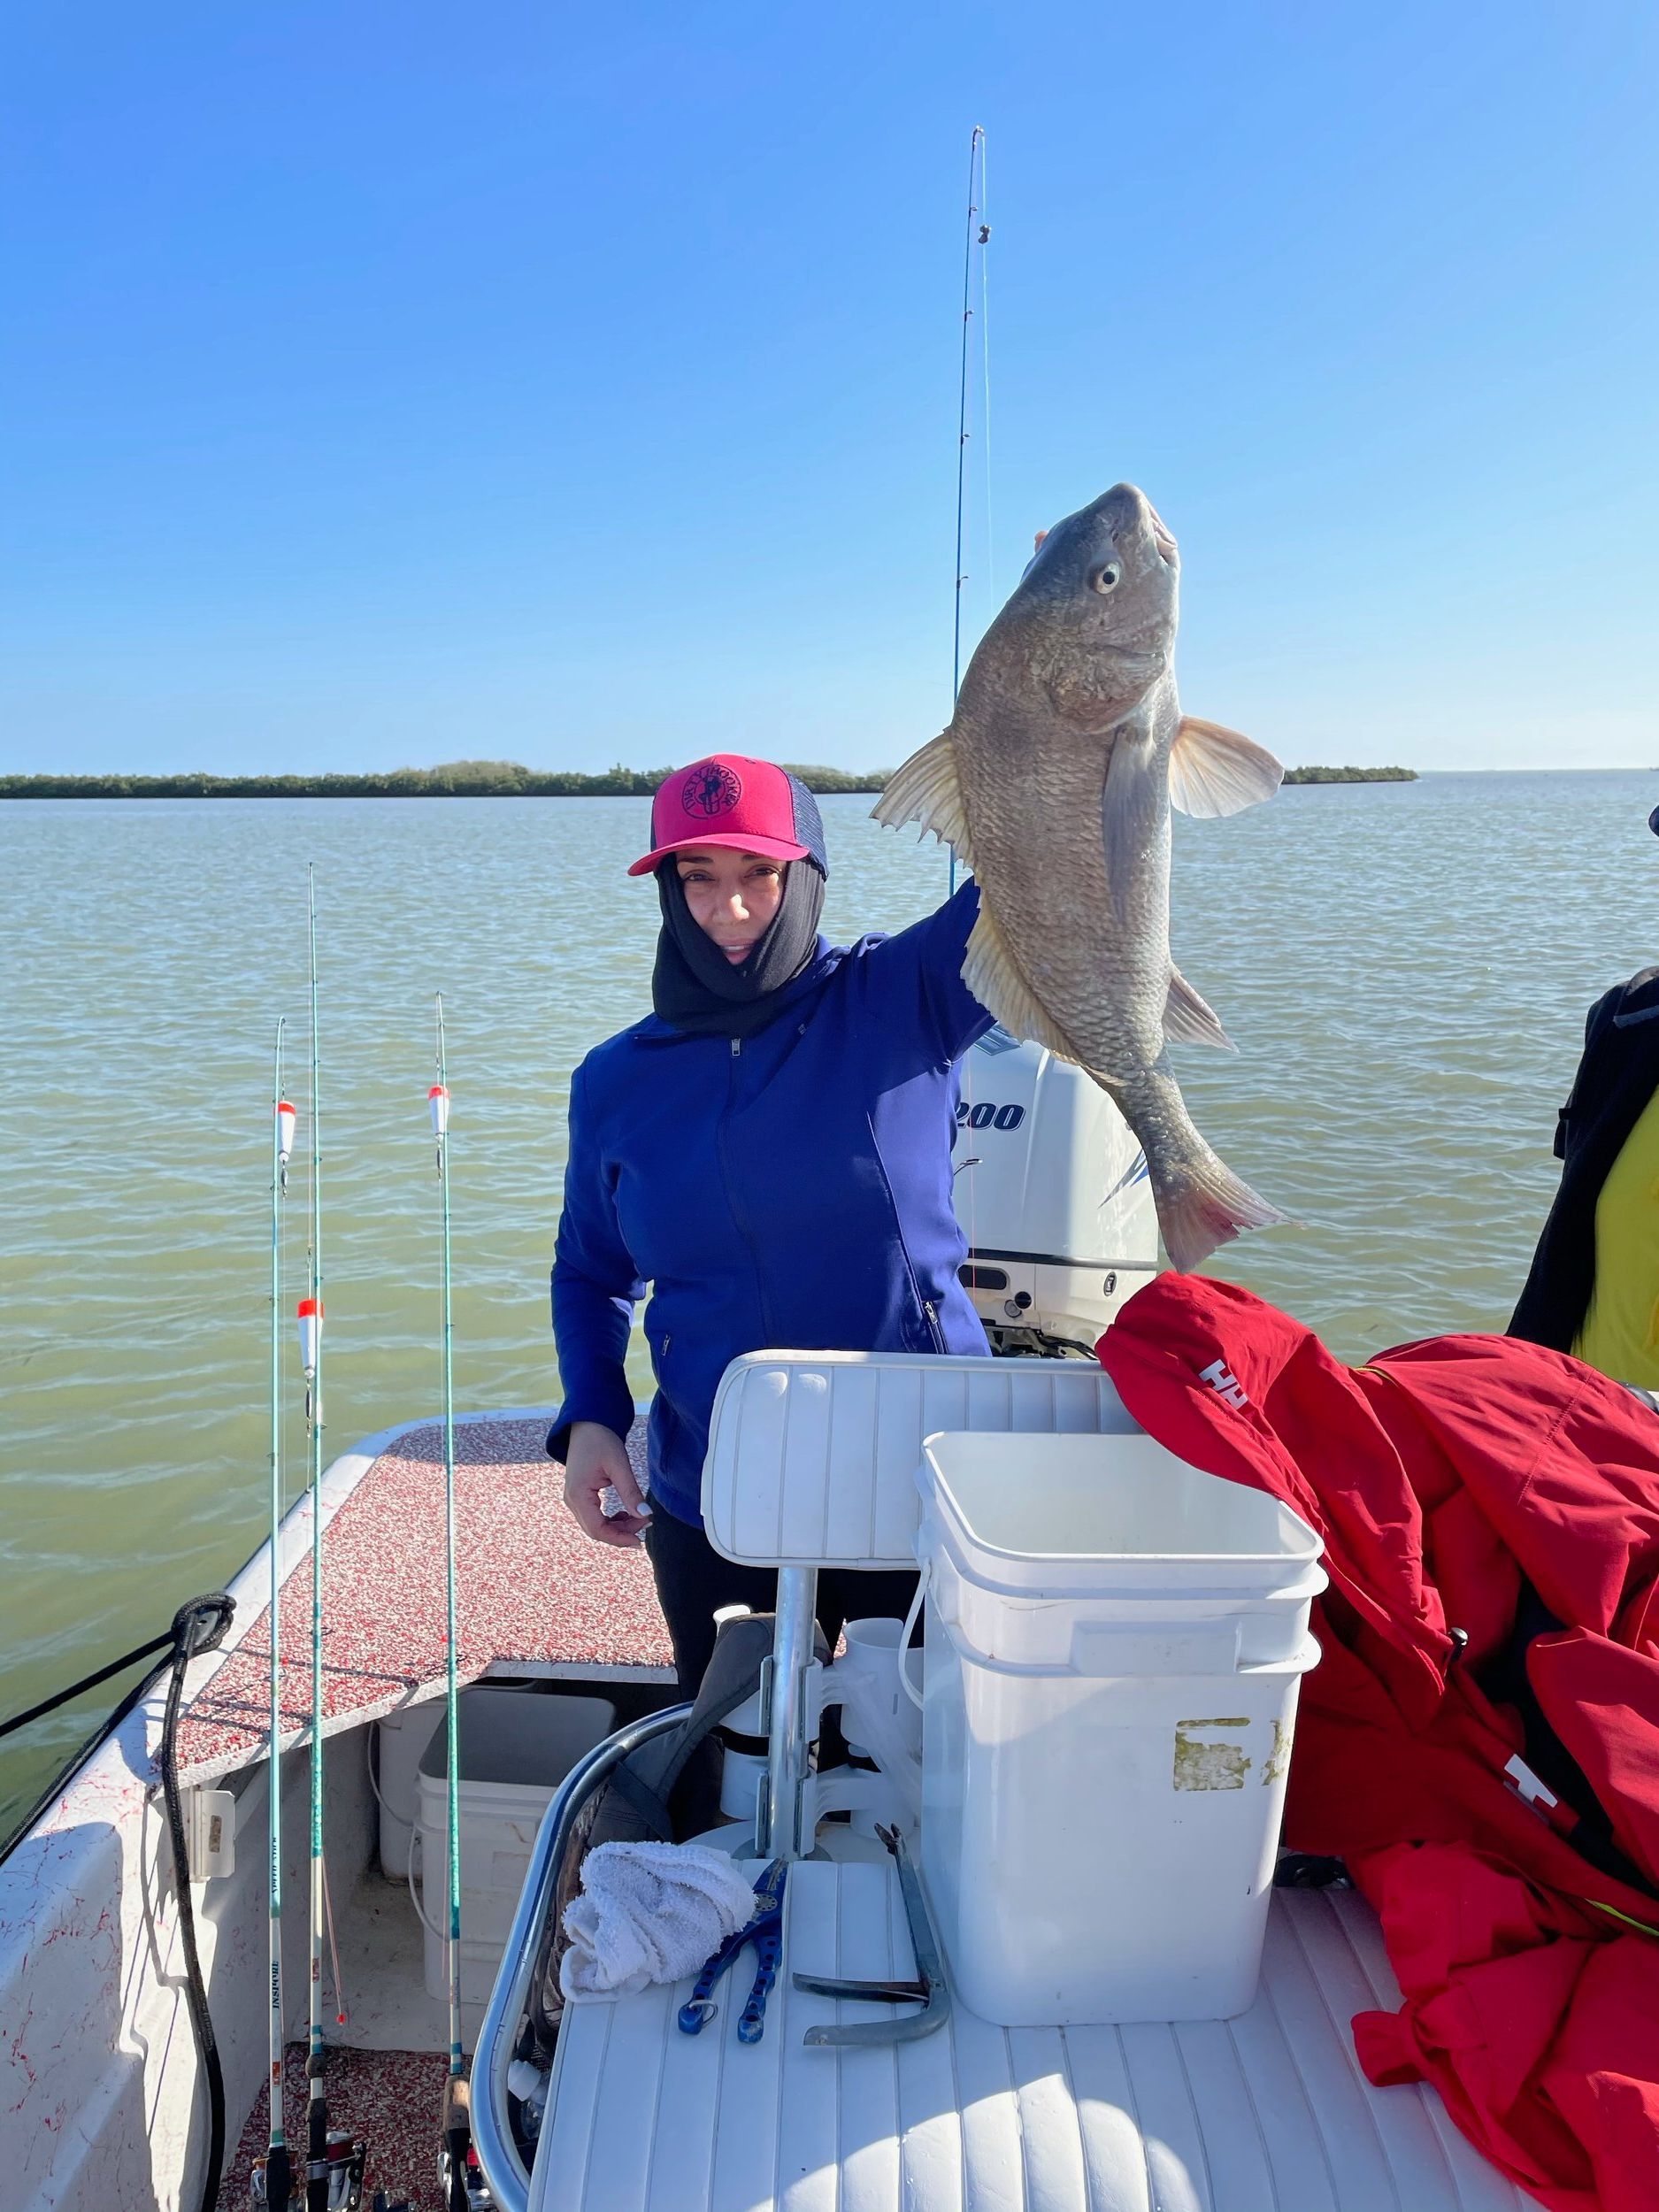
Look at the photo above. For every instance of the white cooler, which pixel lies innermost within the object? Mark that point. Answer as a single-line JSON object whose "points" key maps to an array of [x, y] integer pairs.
{"points": [[1115, 1642]]}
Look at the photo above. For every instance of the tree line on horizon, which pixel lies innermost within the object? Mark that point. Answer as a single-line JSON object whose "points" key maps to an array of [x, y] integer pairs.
{"points": [[454, 779], [1350, 775], [491, 780]]}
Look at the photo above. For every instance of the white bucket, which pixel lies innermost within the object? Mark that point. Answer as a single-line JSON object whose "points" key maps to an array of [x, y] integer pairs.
{"points": [[1115, 1642], [517, 1746], [400, 1739]]}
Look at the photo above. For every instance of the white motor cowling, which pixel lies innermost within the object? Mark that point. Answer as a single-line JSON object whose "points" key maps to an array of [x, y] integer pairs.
{"points": [[1053, 1196]]}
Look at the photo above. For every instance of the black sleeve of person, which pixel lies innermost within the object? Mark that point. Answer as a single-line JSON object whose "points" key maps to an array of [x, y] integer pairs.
{"points": [[1617, 1075]]}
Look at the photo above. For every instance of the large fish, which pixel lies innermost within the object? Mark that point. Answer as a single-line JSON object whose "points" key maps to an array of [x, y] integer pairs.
{"points": [[1054, 782]]}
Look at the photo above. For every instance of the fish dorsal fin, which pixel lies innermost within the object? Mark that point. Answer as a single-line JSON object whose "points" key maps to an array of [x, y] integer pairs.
{"points": [[1189, 1020], [926, 790], [993, 974], [1214, 770]]}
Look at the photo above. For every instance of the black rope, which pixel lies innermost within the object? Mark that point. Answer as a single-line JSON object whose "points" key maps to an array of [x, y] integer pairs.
{"points": [[197, 1627], [90, 1682]]}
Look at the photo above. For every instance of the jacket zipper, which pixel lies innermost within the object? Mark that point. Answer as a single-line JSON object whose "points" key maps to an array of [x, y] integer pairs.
{"points": [[731, 1197], [930, 1312]]}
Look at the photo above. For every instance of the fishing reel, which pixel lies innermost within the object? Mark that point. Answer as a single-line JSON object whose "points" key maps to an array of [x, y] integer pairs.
{"points": [[460, 2176], [345, 2163], [474, 2190], [266, 2189], [346, 2160]]}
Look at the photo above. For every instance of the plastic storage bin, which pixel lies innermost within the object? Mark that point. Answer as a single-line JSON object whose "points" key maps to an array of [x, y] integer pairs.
{"points": [[517, 1746], [1115, 1641]]}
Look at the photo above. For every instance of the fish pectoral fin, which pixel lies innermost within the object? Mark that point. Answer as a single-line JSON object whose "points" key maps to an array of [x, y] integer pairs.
{"points": [[993, 974], [1189, 1020], [1214, 770], [926, 790]]}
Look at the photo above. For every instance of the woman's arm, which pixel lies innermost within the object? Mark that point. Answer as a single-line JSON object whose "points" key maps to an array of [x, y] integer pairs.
{"points": [[595, 1286], [936, 947]]}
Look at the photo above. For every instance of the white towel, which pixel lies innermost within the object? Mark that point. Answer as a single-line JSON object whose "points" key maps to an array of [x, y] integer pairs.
{"points": [[650, 1912]]}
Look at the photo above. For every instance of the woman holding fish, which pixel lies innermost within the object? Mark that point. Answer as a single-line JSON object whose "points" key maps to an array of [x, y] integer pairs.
{"points": [[771, 1150]]}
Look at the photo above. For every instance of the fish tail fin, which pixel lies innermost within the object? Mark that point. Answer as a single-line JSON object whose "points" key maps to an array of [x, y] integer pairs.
{"points": [[1202, 1204], [926, 790]]}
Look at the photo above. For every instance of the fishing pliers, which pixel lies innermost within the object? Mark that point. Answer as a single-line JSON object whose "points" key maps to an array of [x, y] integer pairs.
{"points": [[764, 1931]]}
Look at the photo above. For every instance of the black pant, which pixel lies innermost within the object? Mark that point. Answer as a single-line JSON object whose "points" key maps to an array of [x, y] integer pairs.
{"points": [[693, 1582]]}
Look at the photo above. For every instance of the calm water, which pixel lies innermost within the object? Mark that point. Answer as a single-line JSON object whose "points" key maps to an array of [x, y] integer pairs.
{"points": [[1405, 969]]}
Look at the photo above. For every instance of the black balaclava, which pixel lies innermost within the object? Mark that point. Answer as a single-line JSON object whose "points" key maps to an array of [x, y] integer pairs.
{"points": [[696, 988]]}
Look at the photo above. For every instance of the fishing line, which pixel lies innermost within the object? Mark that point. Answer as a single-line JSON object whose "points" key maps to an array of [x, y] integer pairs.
{"points": [[456, 2124], [273, 2181]]}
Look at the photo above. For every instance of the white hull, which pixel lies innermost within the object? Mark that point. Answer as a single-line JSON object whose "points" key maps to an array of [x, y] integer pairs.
{"points": [[101, 2102]]}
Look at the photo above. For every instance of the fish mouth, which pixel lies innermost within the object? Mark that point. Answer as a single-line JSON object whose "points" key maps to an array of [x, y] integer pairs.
{"points": [[1147, 516], [1135, 523]]}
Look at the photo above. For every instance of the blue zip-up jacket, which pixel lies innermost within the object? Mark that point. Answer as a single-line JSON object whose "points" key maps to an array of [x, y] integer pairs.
{"points": [[791, 1188]]}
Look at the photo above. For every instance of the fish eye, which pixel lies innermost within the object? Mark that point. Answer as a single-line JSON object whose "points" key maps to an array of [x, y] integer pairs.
{"points": [[1106, 579]]}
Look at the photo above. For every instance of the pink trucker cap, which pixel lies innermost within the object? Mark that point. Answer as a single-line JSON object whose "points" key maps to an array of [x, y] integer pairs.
{"points": [[751, 806]]}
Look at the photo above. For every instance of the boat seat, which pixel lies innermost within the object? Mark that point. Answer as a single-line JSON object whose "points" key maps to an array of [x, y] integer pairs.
{"points": [[812, 1455], [1266, 2113], [812, 1462]]}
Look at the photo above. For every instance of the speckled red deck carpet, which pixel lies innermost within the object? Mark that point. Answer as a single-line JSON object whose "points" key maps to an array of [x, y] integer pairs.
{"points": [[392, 2100], [531, 1588]]}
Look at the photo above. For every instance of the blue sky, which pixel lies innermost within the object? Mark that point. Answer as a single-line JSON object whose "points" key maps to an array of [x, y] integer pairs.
{"points": [[396, 383]]}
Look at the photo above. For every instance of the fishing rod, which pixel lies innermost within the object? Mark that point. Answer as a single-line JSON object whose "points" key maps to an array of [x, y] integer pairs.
{"points": [[273, 2178], [977, 234], [976, 237], [454, 2163], [333, 2162]]}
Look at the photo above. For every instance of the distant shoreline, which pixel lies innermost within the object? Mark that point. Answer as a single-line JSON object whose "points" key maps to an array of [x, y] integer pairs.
{"points": [[489, 779], [1350, 775]]}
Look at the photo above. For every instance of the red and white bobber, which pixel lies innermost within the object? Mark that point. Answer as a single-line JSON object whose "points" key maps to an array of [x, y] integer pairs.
{"points": [[311, 1321], [285, 1120]]}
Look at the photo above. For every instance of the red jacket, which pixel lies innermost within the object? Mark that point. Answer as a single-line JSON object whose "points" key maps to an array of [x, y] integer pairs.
{"points": [[1480, 1740]]}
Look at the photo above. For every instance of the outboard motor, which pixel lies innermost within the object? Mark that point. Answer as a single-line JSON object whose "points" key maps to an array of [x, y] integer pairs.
{"points": [[1054, 1198]]}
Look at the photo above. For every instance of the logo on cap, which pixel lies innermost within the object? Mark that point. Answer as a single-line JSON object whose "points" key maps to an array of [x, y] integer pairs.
{"points": [[711, 789]]}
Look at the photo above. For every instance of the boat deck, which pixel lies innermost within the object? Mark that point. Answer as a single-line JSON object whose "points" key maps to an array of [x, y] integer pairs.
{"points": [[389, 2099], [535, 1597], [1267, 2112]]}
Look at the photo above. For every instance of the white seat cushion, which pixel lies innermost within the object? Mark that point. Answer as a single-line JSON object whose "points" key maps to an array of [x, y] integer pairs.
{"points": [[812, 1455]]}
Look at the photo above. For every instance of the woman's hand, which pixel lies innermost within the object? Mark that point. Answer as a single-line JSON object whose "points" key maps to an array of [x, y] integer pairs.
{"points": [[598, 1460]]}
